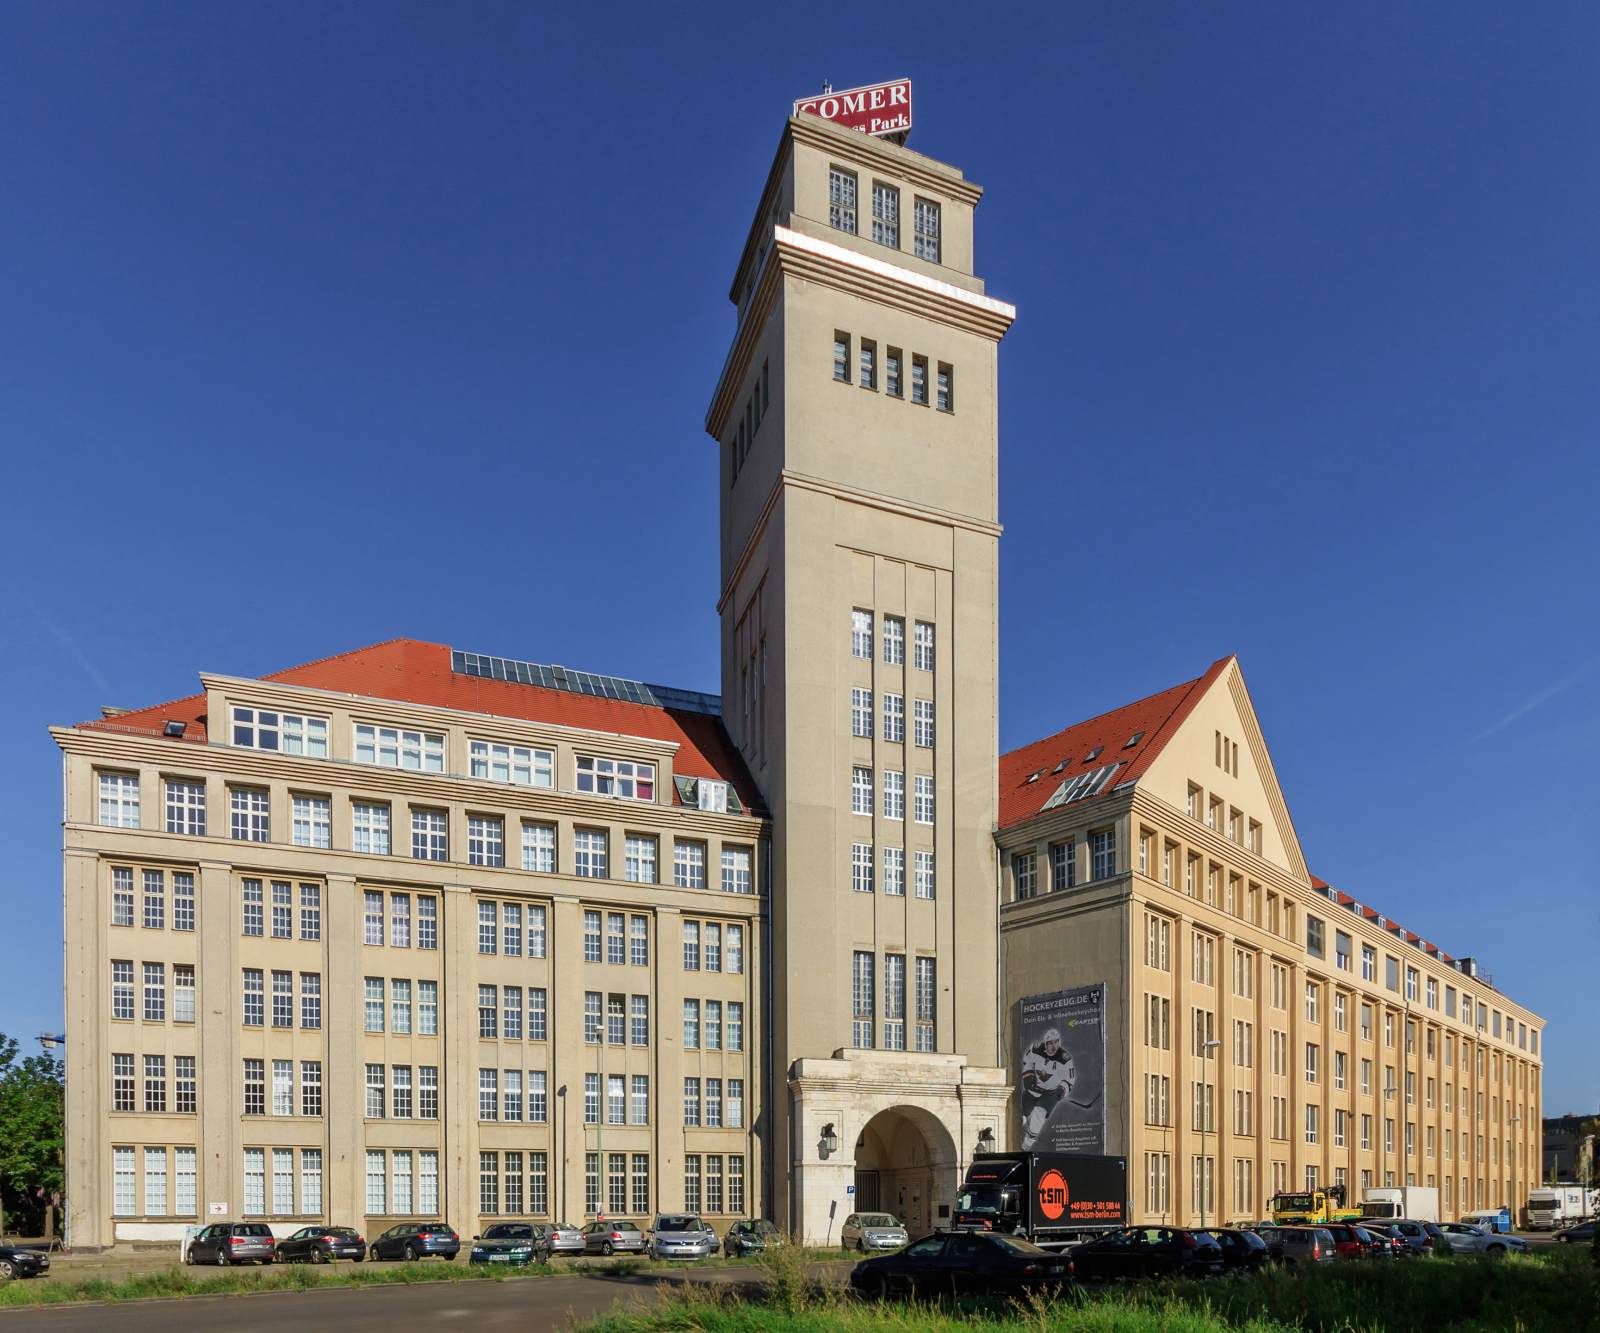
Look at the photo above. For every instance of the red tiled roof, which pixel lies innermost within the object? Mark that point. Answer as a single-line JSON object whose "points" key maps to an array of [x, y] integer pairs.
{"points": [[1157, 716], [412, 671]]}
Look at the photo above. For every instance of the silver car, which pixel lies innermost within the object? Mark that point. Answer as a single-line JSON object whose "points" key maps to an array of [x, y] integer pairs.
{"points": [[872, 1231], [565, 1238], [1464, 1238], [682, 1236], [613, 1238]]}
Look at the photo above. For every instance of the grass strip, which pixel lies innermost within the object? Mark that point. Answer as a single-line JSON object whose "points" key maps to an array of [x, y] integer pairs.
{"points": [[1524, 1294]]}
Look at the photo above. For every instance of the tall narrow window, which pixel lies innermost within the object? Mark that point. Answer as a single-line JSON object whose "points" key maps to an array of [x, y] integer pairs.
{"points": [[892, 360], [927, 1001], [842, 200], [862, 999], [869, 364], [919, 379], [841, 356], [894, 1001], [927, 230], [886, 215], [944, 388]]}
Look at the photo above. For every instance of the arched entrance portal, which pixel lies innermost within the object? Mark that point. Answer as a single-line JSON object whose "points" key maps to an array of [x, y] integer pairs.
{"points": [[906, 1164]]}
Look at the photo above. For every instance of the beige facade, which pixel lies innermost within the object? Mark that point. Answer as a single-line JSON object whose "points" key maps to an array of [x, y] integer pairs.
{"points": [[413, 958], [270, 1015], [1347, 1049], [856, 415]]}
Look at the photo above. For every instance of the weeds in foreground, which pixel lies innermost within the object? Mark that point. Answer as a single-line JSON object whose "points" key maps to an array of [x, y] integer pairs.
{"points": [[1525, 1294]]}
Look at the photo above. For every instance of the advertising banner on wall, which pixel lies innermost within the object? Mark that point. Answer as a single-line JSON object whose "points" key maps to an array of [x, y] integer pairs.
{"points": [[1062, 1059]]}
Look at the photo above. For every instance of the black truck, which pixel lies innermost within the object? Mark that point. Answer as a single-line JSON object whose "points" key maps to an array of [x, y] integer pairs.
{"points": [[1050, 1198]]}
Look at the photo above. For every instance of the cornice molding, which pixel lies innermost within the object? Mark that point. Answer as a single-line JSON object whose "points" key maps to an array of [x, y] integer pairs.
{"points": [[788, 477], [795, 254], [317, 775]]}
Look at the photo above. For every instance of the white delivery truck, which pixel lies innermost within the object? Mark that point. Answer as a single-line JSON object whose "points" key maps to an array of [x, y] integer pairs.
{"points": [[1419, 1203], [1551, 1207]]}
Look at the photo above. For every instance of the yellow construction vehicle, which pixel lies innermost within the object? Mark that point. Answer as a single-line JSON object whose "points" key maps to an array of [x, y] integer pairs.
{"points": [[1313, 1207]]}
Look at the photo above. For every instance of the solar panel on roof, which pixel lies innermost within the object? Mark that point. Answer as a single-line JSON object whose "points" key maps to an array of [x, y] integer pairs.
{"points": [[583, 682]]}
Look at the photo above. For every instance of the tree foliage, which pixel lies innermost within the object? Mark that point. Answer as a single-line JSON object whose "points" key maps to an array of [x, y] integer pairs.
{"points": [[31, 1118]]}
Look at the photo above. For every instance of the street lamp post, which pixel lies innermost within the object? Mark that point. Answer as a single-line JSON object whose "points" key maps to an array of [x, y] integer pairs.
{"points": [[49, 1042], [1205, 1115]]}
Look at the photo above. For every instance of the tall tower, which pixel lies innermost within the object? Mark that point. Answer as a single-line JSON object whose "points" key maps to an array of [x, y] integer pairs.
{"points": [[856, 417]]}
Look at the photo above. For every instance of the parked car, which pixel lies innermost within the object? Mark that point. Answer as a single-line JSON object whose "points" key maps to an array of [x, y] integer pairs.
{"points": [[1421, 1237], [1301, 1245], [872, 1231], [1148, 1252], [232, 1243], [16, 1261], [751, 1237], [1351, 1242], [510, 1243], [1583, 1233], [681, 1236], [1376, 1246], [609, 1237], [564, 1238], [1242, 1251], [1464, 1238], [955, 1263], [320, 1245], [416, 1240], [1388, 1233]]}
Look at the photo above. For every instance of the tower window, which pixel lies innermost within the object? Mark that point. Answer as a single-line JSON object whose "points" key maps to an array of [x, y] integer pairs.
{"points": [[927, 228], [841, 356], [919, 379], [945, 386], [869, 364], [842, 203], [886, 215], [891, 373]]}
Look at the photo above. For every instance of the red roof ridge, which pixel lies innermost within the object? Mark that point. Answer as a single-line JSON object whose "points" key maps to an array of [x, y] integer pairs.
{"points": [[350, 652], [1168, 708], [417, 671]]}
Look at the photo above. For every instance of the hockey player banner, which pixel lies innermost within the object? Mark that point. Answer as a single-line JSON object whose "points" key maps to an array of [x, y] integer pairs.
{"points": [[1063, 1070]]}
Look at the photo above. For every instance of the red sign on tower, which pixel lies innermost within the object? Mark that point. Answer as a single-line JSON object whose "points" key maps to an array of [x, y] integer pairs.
{"points": [[882, 109]]}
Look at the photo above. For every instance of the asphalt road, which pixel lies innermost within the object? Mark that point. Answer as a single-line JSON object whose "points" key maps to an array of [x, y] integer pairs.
{"points": [[531, 1305]]}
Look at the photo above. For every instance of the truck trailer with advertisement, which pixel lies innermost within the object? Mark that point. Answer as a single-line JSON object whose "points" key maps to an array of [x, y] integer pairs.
{"points": [[1551, 1207], [1419, 1203], [1052, 1199]]}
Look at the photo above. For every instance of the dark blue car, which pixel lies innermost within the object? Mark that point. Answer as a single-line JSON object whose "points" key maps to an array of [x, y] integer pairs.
{"points": [[417, 1240]]}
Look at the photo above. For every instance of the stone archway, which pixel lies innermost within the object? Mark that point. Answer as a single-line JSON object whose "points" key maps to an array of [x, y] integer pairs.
{"points": [[906, 1164]]}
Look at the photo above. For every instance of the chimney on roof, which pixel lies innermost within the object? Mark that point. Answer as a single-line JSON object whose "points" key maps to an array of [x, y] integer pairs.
{"points": [[111, 710]]}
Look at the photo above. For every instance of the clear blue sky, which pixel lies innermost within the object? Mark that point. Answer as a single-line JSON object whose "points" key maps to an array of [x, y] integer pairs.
{"points": [[321, 324]]}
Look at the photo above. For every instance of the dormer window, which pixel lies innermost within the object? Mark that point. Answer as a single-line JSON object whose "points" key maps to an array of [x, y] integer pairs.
{"points": [[288, 733], [622, 778]]}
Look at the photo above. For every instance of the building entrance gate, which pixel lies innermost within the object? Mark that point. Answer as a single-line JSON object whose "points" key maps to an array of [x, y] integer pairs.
{"points": [[906, 1165]]}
